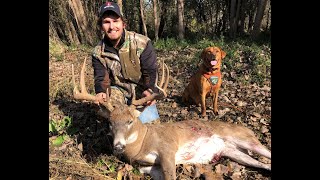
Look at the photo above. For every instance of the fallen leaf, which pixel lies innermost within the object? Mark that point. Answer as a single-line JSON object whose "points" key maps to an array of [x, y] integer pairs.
{"points": [[253, 118], [264, 129], [266, 88], [263, 121], [80, 146], [221, 169], [184, 112], [256, 114], [241, 103], [225, 98], [236, 176]]}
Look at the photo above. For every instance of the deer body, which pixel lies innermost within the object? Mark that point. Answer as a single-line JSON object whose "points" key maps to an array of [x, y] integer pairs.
{"points": [[159, 147], [162, 146]]}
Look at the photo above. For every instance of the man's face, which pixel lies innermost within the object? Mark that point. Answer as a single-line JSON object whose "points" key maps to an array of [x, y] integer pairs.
{"points": [[112, 25]]}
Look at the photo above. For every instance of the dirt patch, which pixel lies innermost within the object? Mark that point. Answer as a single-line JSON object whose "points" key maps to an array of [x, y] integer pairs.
{"points": [[86, 152]]}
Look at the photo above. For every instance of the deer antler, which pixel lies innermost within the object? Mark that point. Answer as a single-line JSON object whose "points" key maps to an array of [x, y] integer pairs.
{"points": [[162, 88], [84, 95]]}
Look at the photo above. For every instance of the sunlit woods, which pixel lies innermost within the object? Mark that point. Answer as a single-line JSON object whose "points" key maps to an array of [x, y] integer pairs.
{"points": [[75, 21]]}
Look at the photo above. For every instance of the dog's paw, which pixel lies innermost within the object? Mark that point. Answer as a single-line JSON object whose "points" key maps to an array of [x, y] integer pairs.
{"points": [[216, 112]]}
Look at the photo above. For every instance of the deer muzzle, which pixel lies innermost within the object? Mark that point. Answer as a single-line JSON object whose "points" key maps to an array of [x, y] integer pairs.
{"points": [[118, 148]]}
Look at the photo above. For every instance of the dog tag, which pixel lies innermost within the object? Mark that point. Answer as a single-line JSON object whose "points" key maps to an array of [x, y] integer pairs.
{"points": [[214, 79]]}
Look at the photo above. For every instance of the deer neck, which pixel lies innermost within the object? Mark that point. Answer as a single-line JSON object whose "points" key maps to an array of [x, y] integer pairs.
{"points": [[134, 148]]}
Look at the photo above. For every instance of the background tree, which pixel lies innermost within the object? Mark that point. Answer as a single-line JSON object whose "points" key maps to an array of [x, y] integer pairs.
{"points": [[75, 21], [258, 18], [180, 12], [143, 18], [156, 20]]}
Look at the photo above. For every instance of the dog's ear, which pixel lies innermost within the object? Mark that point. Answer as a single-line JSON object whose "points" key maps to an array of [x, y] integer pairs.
{"points": [[223, 54], [203, 54]]}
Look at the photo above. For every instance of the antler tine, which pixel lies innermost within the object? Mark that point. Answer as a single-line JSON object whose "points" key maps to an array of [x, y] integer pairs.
{"points": [[162, 78], [162, 90], [84, 95]]}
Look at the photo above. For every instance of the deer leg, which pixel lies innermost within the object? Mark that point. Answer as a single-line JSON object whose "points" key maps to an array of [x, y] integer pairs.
{"points": [[254, 146], [154, 171], [242, 158], [168, 165]]}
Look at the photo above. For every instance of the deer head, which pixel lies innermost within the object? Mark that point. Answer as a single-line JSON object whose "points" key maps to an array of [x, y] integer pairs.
{"points": [[121, 116]]}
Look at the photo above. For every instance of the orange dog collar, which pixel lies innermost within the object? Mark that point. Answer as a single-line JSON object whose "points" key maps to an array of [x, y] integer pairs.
{"points": [[212, 77]]}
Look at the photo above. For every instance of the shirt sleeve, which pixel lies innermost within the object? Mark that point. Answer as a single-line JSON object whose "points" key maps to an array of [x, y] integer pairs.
{"points": [[101, 76], [148, 61]]}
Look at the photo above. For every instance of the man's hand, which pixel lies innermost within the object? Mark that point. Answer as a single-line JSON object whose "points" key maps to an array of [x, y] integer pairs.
{"points": [[101, 97], [148, 93]]}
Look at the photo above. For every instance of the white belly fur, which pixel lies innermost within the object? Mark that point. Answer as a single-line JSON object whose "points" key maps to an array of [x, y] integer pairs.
{"points": [[200, 151]]}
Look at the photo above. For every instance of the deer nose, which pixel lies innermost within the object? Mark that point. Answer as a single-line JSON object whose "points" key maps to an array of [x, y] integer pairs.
{"points": [[119, 148]]}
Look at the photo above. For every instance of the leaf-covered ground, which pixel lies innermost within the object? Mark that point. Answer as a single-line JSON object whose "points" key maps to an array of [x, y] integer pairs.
{"points": [[86, 151]]}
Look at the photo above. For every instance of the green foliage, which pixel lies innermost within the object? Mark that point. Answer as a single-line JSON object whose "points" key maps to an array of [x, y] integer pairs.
{"points": [[61, 128], [168, 43], [251, 61], [111, 165], [59, 140], [56, 49], [136, 171], [58, 127]]}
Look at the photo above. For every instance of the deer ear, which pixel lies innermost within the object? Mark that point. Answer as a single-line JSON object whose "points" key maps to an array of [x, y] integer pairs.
{"points": [[104, 113]]}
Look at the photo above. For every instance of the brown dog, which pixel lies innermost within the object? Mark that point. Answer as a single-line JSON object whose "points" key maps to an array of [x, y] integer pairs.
{"points": [[206, 81]]}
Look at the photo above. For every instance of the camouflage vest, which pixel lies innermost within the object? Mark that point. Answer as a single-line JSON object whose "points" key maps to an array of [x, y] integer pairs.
{"points": [[126, 66]]}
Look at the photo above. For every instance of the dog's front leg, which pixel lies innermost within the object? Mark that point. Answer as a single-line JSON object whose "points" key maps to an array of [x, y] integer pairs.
{"points": [[203, 104], [215, 102]]}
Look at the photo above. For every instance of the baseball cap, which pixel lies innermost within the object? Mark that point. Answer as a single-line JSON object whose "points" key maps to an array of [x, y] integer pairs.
{"points": [[110, 6]]}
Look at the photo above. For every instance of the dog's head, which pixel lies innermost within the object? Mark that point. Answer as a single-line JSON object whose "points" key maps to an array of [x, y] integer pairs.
{"points": [[212, 56]]}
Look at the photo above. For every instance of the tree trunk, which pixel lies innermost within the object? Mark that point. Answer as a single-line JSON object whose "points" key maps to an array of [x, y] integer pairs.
{"points": [[180, 11], [232, 18], [77, 9], [258, 19], [242, 16], [237, 16], [156, 20], [251, 14], [119, 2], [163, 17], [217, 28], [71, 33], [143, 18]]}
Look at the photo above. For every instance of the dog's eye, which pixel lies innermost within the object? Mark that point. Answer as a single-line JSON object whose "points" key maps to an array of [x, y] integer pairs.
{"points": [[130, 122]]}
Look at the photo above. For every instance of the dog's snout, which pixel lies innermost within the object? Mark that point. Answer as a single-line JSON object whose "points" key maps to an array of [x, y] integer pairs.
{"points": [[212, 57]]}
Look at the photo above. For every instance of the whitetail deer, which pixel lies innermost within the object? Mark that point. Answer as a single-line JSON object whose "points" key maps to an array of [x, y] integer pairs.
{"points": [[158, 148]]}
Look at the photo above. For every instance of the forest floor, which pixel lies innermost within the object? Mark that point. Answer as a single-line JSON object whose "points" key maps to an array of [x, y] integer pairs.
{"points": [[79, 147]]}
